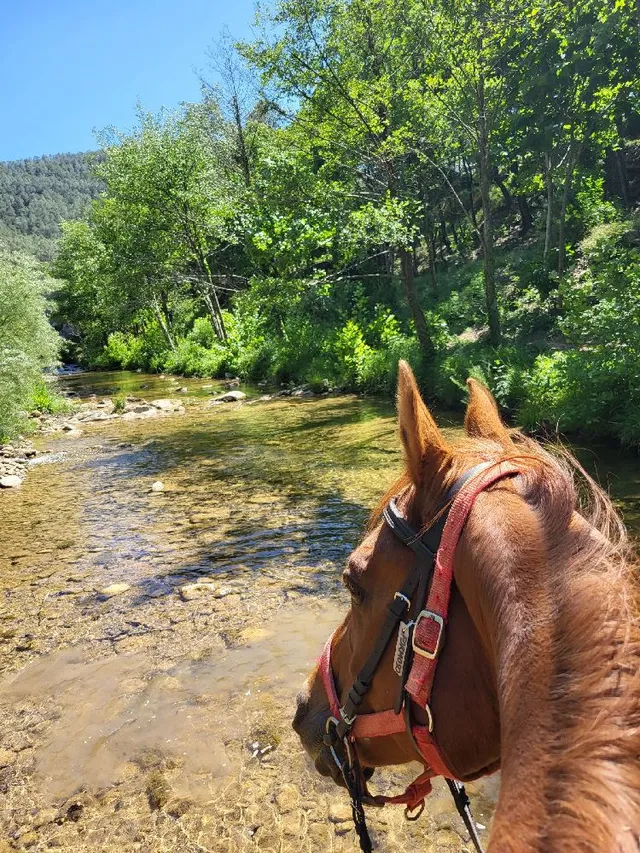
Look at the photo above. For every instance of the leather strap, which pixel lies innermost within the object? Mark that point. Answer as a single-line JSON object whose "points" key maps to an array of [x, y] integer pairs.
{"points": [[428, 633]]}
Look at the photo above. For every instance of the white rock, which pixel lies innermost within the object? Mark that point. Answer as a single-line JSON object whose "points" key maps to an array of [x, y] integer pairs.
{"points": [[114, 589], [231, 397], [158, 486], [11, 481], [165, 405], [196, 590]]}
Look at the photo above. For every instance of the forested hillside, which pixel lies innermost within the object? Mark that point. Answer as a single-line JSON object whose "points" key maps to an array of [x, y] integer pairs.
{"points": [[37, 194], [455, 184]]}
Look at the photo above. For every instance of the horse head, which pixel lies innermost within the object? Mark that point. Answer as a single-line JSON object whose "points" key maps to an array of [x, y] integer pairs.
{"points": [[509, 682]]}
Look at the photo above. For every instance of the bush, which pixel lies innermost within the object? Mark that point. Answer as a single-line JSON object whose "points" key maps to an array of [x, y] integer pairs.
{"points": [[28, 343], [594, 387], [44, 398], [502, 370], [192, 359]]}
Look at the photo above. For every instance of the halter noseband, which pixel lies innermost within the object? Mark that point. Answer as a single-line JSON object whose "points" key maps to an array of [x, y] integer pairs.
{"points": [[418, 645]]}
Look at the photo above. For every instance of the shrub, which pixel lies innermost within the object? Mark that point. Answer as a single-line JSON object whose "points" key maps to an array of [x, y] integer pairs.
{"points": [[192, 359], [44, 398], [502, 370]]}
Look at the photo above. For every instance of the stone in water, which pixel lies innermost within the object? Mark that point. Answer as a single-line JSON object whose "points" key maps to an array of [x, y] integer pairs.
{"points": [[11, 481], [158, 486], [114, 589]]}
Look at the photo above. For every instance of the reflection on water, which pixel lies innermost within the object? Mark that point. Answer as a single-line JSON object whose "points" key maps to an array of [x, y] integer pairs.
{"points": [[263, 501]]}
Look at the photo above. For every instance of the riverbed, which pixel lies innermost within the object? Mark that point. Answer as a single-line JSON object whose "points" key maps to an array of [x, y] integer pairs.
{"points": [[152, 641]]}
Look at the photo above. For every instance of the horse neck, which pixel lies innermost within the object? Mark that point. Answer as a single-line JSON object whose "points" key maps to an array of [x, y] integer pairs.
{"points": [[567, 652]]}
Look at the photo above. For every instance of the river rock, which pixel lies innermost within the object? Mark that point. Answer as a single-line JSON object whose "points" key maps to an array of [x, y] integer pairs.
{"points": [[139, 413], [158, 486], [230, 397], [339, 813], [167, 405], [10, 481], [288, 798], [190, 591], [6, 757], [114, 589]]}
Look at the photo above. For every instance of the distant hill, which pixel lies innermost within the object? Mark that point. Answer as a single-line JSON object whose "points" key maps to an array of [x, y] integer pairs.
{"points": [[37, 194]]}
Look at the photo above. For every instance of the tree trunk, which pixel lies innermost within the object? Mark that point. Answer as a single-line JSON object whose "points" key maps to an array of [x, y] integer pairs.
{"points": [[506, 195], [242, 147], [568, 180], [472, 207], [488, 248], [426, 344], [548, 177], [215, 315], [163, 325], [526, 220], [432, 263], [623, 178]]}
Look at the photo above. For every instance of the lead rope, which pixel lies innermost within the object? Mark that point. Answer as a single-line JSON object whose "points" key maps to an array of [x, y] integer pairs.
{"points": [[352, 775], [461, 799]]}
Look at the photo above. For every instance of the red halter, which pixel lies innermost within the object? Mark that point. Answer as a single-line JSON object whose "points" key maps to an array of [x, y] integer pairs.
{"points": [[428, 635]]}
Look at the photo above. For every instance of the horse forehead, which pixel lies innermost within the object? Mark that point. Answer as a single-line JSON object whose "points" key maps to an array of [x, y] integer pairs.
{"points": [[379, 545]]}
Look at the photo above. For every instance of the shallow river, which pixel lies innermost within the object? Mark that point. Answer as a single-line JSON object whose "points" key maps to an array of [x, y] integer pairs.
{"points": [[158, 718]]}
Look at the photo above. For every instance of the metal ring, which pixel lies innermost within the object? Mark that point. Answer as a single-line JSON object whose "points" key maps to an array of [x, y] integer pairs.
{"points": [[415, 812]]}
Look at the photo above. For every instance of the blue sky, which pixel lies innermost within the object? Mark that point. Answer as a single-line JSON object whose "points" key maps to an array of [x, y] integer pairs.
{"points": [[68, 66]]}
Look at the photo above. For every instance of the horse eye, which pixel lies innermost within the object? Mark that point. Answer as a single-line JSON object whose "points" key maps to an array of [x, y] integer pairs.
{"points": [[357, 593]]}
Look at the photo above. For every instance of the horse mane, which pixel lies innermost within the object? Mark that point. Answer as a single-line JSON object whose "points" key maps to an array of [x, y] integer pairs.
{"points": [[593, 787]]}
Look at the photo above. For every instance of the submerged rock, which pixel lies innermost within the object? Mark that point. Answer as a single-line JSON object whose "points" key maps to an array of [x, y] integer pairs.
{"points": [[114, 589], [10, 481], [158, 486], [197, 590]]}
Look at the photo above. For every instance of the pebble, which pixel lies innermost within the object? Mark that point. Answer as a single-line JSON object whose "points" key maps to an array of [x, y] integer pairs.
{"points": [[114, 589], [158, 486], [6, 757], [196, 590], [288, 798], [339, 813], [11, 481]]}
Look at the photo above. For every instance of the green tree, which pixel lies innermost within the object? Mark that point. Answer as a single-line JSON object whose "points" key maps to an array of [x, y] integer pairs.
{"points": [[28, 342]]}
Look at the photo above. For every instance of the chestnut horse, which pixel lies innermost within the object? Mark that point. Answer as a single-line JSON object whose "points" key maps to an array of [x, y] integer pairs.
{"points": [[540, 670]]}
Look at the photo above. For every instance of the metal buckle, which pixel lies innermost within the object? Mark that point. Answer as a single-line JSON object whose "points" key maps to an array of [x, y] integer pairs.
{"points": [[429, 717], [349, 721], [435, 617], [407, 601]]}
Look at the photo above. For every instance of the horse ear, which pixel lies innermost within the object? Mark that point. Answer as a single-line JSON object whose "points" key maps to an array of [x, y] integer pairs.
{"points": [[482, 419], [422, 440]]}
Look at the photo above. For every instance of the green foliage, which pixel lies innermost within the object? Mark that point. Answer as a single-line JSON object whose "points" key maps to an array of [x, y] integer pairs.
{"points": [[411, 189], [27, 341], [44, 398], [119, 403], [593, 387], [502, 370]]}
